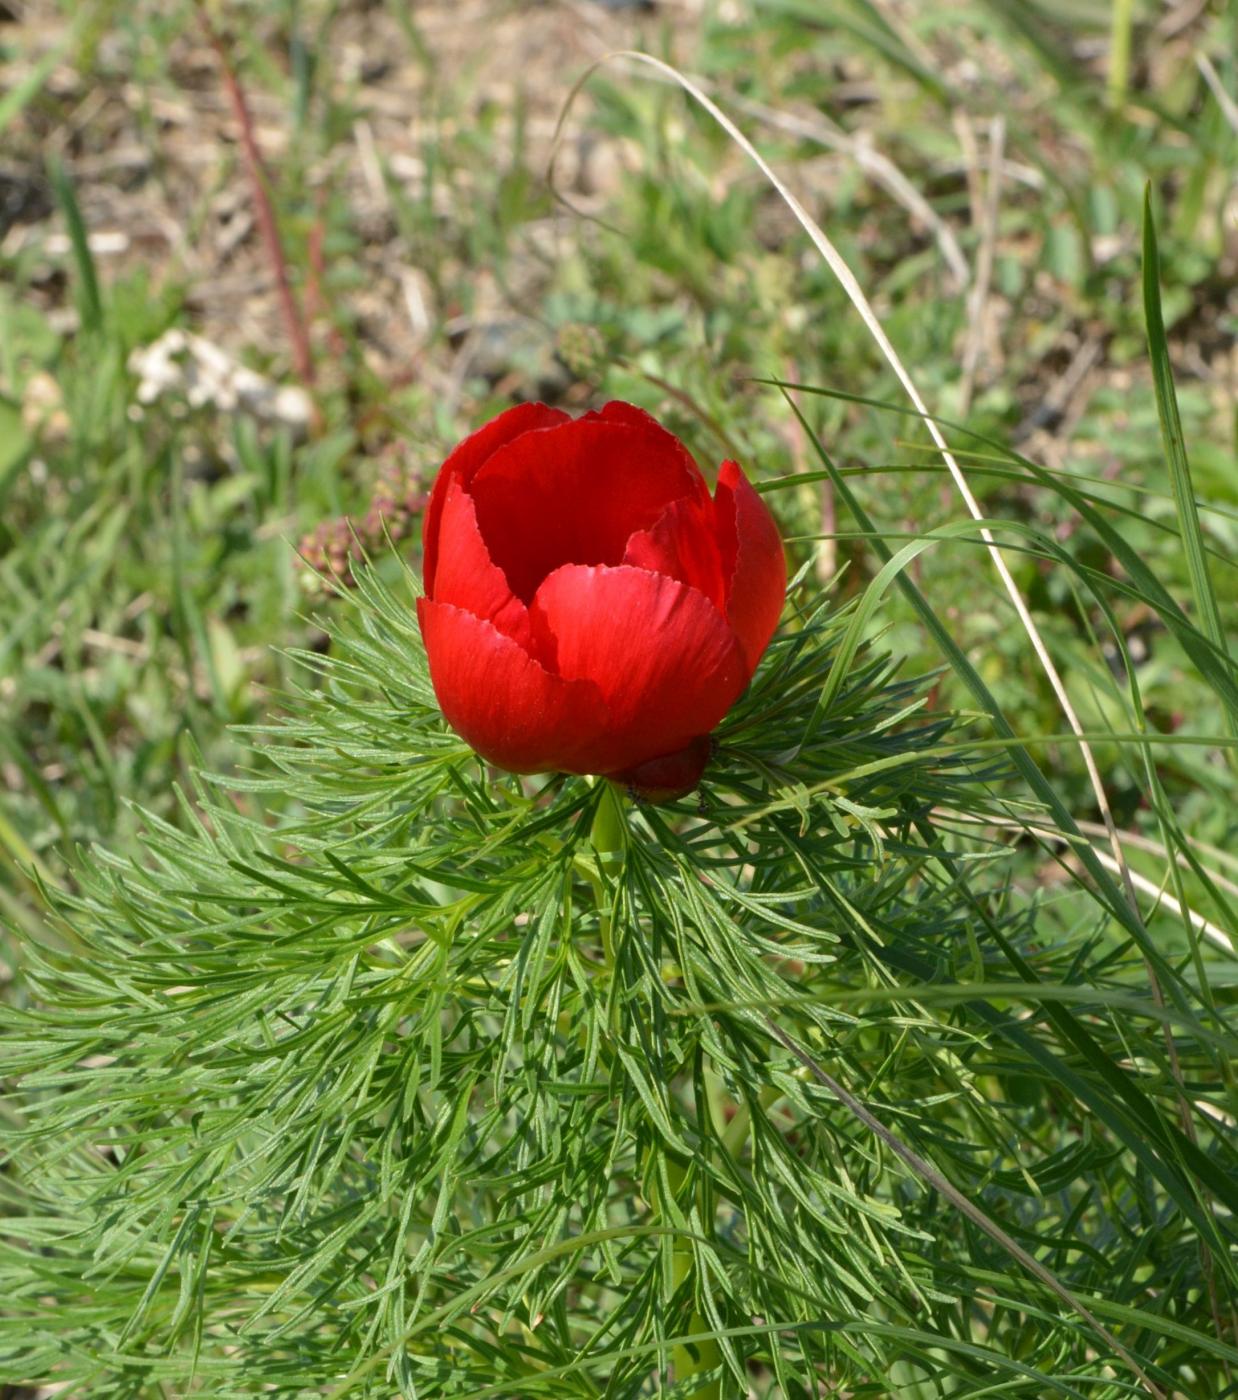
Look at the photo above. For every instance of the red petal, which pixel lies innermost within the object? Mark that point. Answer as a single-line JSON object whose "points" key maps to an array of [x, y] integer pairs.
{"points": [[681, 544], [661, 655], [466, 576], [752, 561], [499, 700], [620, 411], [467, 457], [576, 494]]}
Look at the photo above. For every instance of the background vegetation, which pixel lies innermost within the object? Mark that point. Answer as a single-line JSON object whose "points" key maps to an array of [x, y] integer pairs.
{"points": [[983, 168]]}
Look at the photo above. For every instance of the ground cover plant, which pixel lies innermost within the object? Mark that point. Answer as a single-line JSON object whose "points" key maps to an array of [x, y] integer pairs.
{"points": [[895, 1060]]}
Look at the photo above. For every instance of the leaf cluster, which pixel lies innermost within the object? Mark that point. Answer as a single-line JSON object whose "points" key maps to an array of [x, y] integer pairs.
{"points": [[417, 1091]]}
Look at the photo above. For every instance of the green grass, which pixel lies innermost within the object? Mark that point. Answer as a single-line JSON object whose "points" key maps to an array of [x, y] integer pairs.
{"points": [[291, 1166]]}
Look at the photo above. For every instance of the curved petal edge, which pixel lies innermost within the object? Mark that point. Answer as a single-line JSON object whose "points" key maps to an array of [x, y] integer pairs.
{"points": [[752, 559], [467, 577], [501, 701], [662, 656], [467, 458]]}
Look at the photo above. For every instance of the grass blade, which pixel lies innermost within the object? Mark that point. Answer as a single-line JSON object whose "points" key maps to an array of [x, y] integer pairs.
{"points": [[89, 299], [1171, 434]]}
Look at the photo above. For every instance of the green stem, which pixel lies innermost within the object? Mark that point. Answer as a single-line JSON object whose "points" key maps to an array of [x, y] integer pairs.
{"points": [[1121, 18], [609, 831], [736, 1130], [686, 1362], [608, 837]]}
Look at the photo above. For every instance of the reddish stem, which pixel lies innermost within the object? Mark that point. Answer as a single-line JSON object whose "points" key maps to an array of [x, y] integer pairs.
{"points": [[294, 324], [315, 300]]}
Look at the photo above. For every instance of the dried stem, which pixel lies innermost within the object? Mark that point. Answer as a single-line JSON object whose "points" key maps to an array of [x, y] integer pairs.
{"points": [[294, 322], [978, 299]]}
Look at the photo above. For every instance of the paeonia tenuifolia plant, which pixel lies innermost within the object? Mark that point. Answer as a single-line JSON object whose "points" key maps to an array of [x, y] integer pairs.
{"points": [[426, 1063], [589, 607]]}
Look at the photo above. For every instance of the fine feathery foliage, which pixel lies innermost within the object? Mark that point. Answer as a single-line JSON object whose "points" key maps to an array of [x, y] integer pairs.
{"points": [[456, 1084]]}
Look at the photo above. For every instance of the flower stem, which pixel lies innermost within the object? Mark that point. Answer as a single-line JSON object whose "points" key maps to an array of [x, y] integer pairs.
{"points": [[608, 837], [704, 1356], [608, 833]]}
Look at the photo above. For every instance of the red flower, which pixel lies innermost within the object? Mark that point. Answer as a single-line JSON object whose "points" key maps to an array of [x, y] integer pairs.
{"points": [[589, 608]]}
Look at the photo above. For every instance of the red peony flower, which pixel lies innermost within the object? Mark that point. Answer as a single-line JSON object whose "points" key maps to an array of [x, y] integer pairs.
{"points": [[589, 608]]}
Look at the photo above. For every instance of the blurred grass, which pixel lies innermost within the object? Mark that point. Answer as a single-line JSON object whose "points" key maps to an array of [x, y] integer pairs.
{"points": [[147, 571]]}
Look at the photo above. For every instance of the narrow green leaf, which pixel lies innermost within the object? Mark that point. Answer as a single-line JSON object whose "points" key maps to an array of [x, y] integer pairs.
{"points": [[89, 299], [1206, 606]]}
